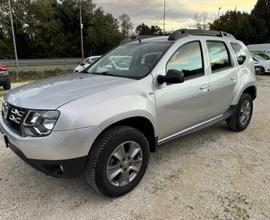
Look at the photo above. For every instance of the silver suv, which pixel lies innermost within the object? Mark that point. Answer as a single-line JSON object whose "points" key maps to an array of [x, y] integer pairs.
{"points": [[105, 121]]}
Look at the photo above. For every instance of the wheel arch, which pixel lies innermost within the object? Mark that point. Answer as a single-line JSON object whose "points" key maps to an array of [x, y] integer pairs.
{"points": [[249, 89], [141, 123], [252, 91]]}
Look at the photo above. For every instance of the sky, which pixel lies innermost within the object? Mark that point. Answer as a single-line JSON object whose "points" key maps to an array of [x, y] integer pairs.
{"points": [[179, 13]]}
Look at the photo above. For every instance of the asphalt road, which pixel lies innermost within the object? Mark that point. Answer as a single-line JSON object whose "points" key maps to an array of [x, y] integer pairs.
{"points": [[211, 174]]}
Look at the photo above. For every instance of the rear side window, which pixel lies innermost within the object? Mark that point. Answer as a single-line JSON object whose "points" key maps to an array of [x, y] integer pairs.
{"points": [[188, 59], [239, 52], [219, 55]]}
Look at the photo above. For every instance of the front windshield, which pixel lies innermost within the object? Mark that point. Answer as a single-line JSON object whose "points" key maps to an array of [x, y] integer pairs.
{"points": [[131, 60]]}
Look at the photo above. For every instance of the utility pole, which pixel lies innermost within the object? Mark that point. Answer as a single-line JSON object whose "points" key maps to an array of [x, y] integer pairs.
{"points": [[81, 29], [219, 11], [164, 17], [14, 40]]}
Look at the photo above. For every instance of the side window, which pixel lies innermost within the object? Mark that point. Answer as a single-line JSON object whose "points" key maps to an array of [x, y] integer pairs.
{"points": [[219, 55], [239, 52], [188, 59]]}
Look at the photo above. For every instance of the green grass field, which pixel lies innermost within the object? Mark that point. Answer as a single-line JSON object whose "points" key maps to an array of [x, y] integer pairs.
{"points": [[35, 75]]}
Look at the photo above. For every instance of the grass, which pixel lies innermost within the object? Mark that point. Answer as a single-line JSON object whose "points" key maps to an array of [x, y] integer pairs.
{"points": [[2, 93]]}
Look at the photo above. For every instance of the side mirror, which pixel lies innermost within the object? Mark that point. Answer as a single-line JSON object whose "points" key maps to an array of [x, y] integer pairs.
{"points": [[172, 77]]}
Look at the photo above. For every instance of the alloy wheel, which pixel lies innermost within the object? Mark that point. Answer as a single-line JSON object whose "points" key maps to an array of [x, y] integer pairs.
{"points": [[245, 112], [124, 164]]}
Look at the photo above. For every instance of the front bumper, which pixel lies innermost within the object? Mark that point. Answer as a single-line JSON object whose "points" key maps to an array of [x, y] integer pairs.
{"points": [[62, 153], [56, 168]]}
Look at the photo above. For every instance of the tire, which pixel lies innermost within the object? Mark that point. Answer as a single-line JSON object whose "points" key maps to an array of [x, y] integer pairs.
{"points": [[7, 86], [102, 159], [238, 122], [261, 71]]}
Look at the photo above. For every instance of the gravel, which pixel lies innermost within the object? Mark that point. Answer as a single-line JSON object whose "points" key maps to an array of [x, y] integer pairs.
{"points": [[211, 174]]}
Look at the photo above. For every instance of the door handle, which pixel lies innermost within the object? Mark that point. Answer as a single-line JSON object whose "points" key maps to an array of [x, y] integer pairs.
{"points": [[204, 87], [234, 78]]}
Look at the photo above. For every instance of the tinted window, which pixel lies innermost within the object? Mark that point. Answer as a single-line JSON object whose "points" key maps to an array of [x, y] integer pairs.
{"points": [[219, 55], [239, 52], [188, 59]]}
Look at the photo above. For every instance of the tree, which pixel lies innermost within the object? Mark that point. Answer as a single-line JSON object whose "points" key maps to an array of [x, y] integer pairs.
{"points": [[242, 25], [156, 30], [125, 24], [144, 29], [262, 13], [51, 28]]}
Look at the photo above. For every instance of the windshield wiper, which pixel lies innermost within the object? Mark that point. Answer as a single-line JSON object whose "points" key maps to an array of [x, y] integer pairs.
{"points": [[84, 71], [103, 73]]}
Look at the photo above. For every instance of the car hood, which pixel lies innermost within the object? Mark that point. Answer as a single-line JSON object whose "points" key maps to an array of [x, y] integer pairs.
{"points": [[264, 62], [57, 91]]}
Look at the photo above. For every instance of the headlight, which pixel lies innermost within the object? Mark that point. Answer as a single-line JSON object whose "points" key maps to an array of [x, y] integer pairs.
{"points": [[39, 123]]}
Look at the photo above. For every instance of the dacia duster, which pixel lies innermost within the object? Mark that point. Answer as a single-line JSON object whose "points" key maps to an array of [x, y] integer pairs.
{"points": [[105, 121]]}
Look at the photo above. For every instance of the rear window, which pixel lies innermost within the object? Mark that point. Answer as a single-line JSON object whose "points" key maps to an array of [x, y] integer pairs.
{"points": [[239, 52]]}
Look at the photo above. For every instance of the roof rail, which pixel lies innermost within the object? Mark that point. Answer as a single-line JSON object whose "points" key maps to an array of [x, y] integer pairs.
{"points": [[185, 32], [225, 34], [138, 38]]}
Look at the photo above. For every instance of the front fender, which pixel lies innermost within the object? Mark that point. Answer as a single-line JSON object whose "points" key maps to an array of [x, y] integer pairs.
{"points": [[104, 109]]}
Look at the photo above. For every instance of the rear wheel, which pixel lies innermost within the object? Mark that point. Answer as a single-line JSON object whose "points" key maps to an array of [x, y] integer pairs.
{"points": [[260, 70], [242, 115], [117, 161]]}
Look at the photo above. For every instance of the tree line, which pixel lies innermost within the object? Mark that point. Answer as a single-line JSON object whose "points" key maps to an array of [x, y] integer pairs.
{"points": [[250, 28], [51, 28]]}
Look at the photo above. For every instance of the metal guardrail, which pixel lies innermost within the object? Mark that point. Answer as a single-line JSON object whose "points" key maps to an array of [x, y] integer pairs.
{"points": [[42, 64]]}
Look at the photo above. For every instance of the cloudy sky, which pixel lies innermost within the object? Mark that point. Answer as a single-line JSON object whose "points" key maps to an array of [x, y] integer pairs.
{"points": [[180, 13]]}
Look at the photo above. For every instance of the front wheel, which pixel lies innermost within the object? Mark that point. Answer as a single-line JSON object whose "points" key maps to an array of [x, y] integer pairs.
{"points": [[7, 86], [241, 118], [117, 161]]}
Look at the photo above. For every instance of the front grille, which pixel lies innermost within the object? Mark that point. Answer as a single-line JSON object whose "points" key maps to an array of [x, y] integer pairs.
{"points": [[13, 116]]}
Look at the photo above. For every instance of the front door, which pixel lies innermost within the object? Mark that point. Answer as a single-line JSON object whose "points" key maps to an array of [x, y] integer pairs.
{"points": [[180, 106]]}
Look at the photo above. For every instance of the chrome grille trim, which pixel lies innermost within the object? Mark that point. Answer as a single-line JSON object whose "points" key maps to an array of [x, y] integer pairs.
{"points": [[13, 116]]}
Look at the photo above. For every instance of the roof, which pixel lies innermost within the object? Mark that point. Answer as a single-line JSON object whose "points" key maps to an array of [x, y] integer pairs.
{"points": [[3, 68], [178, 34]]}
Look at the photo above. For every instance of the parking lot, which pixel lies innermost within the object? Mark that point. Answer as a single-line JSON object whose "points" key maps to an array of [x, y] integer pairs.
{"points": [[212, 174]]}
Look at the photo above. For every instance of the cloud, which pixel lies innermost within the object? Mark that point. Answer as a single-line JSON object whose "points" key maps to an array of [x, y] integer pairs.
{"points": [[179, 13]]}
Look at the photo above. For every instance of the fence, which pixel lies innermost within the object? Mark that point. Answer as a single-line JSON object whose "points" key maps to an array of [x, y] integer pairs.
{"points": [[42, 65]]}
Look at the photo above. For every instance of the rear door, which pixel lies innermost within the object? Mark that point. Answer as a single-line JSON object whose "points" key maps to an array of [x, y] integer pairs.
{"points": [[223, 77]]}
